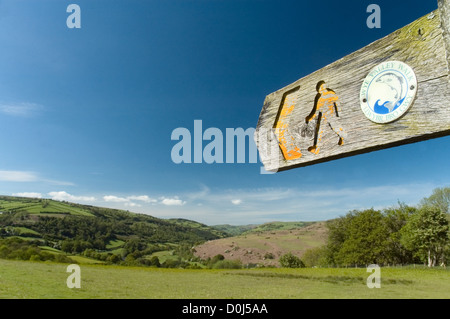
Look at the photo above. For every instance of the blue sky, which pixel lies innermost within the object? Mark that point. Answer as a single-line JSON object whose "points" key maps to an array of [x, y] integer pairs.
{"points": [[87, 114]]}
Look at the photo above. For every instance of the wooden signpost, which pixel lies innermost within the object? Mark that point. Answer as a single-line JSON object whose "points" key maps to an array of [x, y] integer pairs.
{"points": [[392, 92]]}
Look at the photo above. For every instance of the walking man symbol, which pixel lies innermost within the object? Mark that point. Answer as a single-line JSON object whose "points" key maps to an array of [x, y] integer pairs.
{"points": [[326, 112]]}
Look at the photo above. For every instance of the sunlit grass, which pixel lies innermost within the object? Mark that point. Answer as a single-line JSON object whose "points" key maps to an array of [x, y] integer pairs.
{"points": [[20, 279]]}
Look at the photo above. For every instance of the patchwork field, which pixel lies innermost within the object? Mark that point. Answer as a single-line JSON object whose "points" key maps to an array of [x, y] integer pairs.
{"points": [[20, 279], [40, 206]]}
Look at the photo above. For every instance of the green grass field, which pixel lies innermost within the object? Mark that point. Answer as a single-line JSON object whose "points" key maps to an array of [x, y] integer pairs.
{"points": [[115, 244], [164, 255], [25, 231], [37, 206], [85, 260], [38, 280]]}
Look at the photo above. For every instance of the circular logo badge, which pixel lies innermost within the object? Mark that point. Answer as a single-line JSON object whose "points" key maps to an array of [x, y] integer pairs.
{"points": [[388, 91]]}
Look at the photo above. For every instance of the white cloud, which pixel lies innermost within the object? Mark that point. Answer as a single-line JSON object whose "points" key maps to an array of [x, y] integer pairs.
{"points": [[175, 201], [28, 194], [18, 176], [64, 196], [20, 109], [25, 176], [142, 198], [236, 201], [115, 199], [257, 205], [128, 201]]}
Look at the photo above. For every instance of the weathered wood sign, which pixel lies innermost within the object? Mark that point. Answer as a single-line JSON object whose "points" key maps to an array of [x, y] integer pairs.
{"points": [[392, 92]]}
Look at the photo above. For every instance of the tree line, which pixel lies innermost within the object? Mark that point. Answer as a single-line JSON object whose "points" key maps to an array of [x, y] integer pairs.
{"points": [[16, 248], [397, 235]]}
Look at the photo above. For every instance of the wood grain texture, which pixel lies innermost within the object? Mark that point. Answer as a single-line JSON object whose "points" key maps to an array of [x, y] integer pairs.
{"points": [[444, 9], [421, 45]]}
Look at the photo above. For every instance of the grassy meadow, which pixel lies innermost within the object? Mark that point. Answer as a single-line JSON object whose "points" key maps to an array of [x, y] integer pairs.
{"points": [[44, 280]]}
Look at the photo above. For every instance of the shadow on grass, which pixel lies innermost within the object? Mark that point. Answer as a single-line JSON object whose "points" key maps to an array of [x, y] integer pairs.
{"points": [[329, 279]]}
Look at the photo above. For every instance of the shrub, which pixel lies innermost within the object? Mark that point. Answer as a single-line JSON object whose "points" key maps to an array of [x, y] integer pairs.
{"points": [[211, 262], [174, 263], [154, 261], [227, 264], [290, 261], [113, 258], [269, 256], [217, 258]]}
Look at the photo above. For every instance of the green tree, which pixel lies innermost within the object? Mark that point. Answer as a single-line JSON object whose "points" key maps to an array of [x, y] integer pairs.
{"points": [[134, 244], [365, 239], [290, 261], [337, 233], [440, 198], [130, 260], [114, 259], [426, 233], [315, 257], [154, 261], [67, 246], [395, 219]]}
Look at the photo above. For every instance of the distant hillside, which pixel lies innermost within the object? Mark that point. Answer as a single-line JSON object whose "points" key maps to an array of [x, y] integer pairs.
{"points": [[99, 233], [200, 227], [44, 229], [234, 230], [42, 216], [278, 226], [12, 204], [265, 247]]}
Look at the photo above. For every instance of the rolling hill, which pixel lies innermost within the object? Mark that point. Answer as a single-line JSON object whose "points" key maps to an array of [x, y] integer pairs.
{"points": [[29, 214], [95, 232], [199, 227], [10, 204], [272, 226], [91, 234], [234, 230]]}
